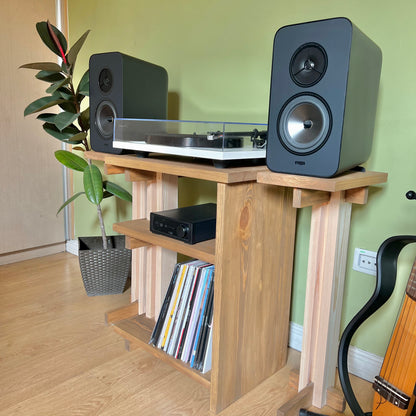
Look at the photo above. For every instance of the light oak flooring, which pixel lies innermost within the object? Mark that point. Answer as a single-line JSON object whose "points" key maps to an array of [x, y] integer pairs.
{"points": [[58, 356]]}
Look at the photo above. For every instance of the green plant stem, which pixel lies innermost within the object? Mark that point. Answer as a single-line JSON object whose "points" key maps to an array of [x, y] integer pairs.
{"points": [[103, 234], [101, 220]]}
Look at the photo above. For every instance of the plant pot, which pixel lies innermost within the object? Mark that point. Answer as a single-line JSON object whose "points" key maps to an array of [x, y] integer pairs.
{"points": [[104, 272]]}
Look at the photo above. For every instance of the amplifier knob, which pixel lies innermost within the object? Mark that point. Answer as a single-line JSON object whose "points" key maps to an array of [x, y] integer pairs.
{"points": [[182, 230]]}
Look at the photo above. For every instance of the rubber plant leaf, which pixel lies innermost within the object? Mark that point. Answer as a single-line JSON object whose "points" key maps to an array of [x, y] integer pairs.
{"points": [[50, 76], [71, 160], [69, 135], [68, 201], [43, 66], [117, 190], [84, 84], [66, 135], [77, 138], [107, 194], [55, 86], [69, 131], [42, 28], [42, 103], [69, 106], [65, 93], [84, 119], [57, 42], [73, 52], [48, 117], [65, 119], [93, 184]]}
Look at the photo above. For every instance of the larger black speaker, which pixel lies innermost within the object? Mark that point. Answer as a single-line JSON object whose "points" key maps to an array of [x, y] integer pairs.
{"points": [[323, 98], [124, 87]]}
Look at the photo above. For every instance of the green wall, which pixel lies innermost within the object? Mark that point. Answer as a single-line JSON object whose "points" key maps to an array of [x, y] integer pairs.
{"points": [[218, 57]]}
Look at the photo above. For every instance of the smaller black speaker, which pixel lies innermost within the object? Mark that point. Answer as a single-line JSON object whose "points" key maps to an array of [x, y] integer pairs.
{"points": [[124, 87], [323, 98]]}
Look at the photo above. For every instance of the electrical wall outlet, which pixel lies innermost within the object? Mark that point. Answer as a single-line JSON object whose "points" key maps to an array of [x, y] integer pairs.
{"points": [[365, 261]]}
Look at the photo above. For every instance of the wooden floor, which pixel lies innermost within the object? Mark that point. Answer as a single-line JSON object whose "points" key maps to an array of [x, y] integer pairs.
{"points": [[58, 357]]}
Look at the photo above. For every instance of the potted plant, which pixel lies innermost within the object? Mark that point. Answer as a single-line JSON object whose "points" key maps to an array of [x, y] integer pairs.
{"points": [[105, 263]]}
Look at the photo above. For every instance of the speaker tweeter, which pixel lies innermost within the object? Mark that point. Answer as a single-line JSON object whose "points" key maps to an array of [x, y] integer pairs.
{"points": [[308, 64]]}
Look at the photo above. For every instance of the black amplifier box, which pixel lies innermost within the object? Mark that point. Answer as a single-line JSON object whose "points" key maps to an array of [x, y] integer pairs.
{"points": [[188, 224]]}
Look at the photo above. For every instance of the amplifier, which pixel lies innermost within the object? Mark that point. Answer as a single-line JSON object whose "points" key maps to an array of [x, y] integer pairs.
{"points": [[188, 224]]}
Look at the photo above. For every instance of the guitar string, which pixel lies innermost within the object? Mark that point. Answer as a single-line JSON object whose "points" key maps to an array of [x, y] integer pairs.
{"points": [[407, 377], [400, 350], [404, 347], [401, 342], [388, 360], [411, 285], [394, 350]]}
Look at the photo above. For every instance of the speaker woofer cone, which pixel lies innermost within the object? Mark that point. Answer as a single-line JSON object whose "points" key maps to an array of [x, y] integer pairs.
{"points": [[304, 124], [104, 116]]}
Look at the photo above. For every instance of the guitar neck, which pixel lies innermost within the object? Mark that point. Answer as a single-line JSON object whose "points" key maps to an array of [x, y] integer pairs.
{"points": [[411, 284]]}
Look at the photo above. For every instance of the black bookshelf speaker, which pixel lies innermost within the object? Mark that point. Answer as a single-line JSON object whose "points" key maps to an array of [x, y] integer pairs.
{"points": [[125, 87], [323, 98]]}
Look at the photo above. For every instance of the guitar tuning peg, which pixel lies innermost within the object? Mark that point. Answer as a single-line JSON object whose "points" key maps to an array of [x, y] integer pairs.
{"points": [[411, 195]]}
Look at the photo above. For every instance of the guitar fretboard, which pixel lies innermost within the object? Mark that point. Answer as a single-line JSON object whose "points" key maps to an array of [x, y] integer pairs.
{"points": [[411, 284]]}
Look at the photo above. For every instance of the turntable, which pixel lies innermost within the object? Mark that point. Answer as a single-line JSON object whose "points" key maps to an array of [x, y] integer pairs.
{"points": [[224, 143]]}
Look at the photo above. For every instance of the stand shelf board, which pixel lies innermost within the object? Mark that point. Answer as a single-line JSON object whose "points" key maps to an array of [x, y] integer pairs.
{"points": [[138, 329], [342, 182], [140, 230], [180, 167]]}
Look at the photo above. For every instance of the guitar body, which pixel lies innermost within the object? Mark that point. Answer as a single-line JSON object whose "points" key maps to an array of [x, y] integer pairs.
{"points": [[395, 386]]}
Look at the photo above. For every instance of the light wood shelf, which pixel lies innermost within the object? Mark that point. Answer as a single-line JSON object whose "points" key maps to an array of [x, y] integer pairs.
{"points": [[138, 329], [343, 182], [189, 168], [140, 230]]}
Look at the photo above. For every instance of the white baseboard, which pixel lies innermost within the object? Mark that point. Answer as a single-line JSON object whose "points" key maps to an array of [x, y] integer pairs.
{"points": [[72, 247], [361, 363], [31, 253]]}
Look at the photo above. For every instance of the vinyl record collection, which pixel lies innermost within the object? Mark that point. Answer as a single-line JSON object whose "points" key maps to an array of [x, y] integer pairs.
{"points": [[184, 326]]}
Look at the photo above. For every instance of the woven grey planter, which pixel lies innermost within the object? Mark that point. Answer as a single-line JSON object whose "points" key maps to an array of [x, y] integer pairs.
{"points": [[104, 272]]}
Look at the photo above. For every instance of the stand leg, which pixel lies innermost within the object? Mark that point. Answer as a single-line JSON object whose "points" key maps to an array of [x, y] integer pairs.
{"points": [[253, 278], [324, 292]]}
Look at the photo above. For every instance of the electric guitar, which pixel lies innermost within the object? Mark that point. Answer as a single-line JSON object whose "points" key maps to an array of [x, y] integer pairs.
{"points": [[395, 386]]}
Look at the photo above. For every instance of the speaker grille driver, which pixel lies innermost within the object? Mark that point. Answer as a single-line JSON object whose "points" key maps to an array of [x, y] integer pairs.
{"points": [[105, 119], [308, 64], [304, 124], [105, 80]]}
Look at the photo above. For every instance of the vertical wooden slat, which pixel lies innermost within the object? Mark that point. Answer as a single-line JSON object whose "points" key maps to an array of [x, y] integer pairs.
{"points": [[324, 290], [161, 194], [167, 198], [151, 266], [138, 282]]}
